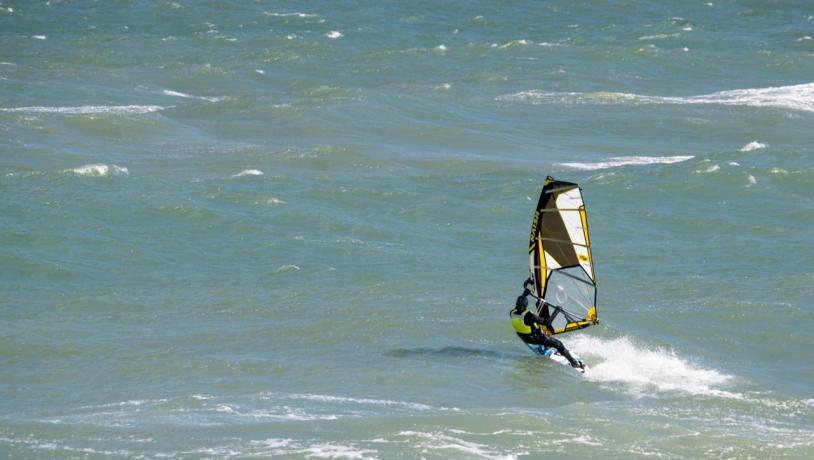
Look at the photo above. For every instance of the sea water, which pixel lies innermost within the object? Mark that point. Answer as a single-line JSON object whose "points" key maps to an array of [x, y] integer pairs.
{"points": [[237, 229]]}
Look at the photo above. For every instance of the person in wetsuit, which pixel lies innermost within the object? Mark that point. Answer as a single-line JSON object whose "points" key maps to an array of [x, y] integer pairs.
{"points": [[533, 330]]}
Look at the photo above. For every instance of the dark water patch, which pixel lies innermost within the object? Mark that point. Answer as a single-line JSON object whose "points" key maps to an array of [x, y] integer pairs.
{"points": [[447, 353]]}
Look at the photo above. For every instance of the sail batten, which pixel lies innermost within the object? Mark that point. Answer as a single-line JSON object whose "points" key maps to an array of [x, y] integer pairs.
{"points": [[562, 241], [560, 210], [560, 258]]}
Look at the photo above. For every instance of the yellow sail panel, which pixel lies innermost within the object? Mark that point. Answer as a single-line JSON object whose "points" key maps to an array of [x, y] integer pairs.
{"points": [[584, 217], [574, 326]]}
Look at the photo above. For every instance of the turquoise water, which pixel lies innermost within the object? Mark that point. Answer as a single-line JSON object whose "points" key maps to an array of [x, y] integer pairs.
{"points": [[295, 230]]}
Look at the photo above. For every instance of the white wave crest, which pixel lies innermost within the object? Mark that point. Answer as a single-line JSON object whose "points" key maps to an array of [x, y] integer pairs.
{"points": [[88, 109], [754, 145], [190, 96], [365, 401], [132, 402], [334, 34], [626, 161], [330, 450], [248, 172], [795, 97], [711, 169], [286, 15], [75, 452], [444, 442], [288, 448], [225, 408], [288, 268], [511, 44], [100, 170], [277, 413], [643, 370], [659, 36]]}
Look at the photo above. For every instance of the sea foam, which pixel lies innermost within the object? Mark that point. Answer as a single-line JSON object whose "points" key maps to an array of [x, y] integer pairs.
{"points": [[627, 161], [100, 170], [643, 369], [294, 448], [365, 401], [444, 442], [754, 145]]}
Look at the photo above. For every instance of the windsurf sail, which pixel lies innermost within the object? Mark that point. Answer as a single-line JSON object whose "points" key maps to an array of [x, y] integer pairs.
{"points": [[560, 260]]}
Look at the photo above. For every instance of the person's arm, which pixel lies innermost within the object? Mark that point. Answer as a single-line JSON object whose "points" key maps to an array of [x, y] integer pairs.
{"points": [[546, 313], [545, 321], [533, 317]]}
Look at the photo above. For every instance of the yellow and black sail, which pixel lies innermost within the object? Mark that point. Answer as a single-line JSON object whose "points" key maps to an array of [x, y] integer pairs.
{"points": [[560, 259]]}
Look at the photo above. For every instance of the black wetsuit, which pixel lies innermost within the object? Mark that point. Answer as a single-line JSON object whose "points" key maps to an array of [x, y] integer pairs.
{"points": [[538, 337]]}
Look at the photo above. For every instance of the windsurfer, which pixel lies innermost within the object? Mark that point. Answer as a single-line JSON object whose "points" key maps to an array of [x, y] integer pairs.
{"points": [[532, 329]]}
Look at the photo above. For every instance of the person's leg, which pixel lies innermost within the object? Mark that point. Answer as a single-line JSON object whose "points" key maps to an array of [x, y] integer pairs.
{"points": [[551, 342]]}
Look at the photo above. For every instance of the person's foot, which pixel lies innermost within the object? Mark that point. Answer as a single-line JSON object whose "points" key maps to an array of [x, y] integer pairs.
{"points": [[578, 365]]}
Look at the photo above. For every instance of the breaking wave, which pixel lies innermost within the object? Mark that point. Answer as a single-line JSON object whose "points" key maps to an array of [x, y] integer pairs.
{"points": [[87, 109], [100, 170], [626, 161], [248, 172], [286, 15], [754, 145], [190, 96], [795, 97]]}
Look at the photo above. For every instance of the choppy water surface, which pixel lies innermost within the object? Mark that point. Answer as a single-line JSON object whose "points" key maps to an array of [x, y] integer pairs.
{"points": [[259, 229]]}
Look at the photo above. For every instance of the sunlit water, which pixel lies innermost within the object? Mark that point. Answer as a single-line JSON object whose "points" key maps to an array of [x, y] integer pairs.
{"points": [[258, 229]]}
